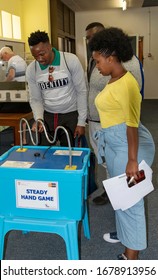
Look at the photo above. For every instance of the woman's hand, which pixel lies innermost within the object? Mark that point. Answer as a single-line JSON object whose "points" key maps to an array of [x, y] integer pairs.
{"points": [[132, 169]]}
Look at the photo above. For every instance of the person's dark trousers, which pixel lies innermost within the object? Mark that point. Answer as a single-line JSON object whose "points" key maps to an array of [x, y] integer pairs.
{"points": [[67, 120]]}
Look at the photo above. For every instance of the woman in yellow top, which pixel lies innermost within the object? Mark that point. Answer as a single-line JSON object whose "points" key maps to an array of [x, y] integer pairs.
{"points": [[123, 140]]}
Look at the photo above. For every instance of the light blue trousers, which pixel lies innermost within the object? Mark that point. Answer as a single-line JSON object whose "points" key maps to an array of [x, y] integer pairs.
{"points": [[113, 145]]}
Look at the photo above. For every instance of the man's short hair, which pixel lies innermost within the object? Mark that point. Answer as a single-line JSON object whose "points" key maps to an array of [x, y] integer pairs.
{"points": [[5, 50], [38, 37], [94, 24]]}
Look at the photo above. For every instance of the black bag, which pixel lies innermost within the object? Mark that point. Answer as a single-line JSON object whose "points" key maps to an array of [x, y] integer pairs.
{"points": [[82, 142]]}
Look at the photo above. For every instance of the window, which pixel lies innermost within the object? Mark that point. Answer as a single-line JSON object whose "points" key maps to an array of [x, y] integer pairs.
{"points": [[6, 24], [16, 27], [11, 27]]}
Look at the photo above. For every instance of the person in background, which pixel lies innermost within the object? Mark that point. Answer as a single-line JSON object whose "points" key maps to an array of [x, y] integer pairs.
{"points": [[57, 88], [122, 140], [96, 82], [16, 67]]}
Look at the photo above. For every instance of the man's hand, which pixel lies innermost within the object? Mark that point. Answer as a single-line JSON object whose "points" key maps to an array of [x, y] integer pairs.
{"points": [[79, 131], [39, 127]]}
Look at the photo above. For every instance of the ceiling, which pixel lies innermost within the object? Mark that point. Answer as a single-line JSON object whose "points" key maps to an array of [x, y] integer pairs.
{"points": [[93, 5]]}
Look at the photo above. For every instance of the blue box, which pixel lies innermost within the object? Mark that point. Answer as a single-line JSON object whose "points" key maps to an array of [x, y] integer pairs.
{"points": [[36, 184]]}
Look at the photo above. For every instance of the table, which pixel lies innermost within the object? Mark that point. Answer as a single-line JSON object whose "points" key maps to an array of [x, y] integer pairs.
{"points": [[13, 119]]}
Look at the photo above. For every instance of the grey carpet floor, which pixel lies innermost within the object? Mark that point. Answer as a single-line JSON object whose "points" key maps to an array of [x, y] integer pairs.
{"points": [[45, 246]]}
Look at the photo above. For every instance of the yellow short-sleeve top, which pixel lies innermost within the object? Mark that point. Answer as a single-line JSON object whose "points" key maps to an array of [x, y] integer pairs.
{"points": [[120, 102]]}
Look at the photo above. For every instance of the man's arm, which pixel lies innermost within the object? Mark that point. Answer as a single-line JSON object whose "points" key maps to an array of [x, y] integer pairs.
{"points": [[10, 75], [35, 97]]}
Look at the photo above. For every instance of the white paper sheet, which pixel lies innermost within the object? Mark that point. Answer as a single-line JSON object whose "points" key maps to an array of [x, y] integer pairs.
{"points": [[67, 153], [123, 197], [17, 164]]}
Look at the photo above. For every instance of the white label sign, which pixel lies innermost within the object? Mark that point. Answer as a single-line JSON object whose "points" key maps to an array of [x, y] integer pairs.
{"points": [[17, 164], [37, 194]]}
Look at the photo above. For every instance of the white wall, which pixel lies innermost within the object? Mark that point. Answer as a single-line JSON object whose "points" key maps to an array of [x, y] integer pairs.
{"points": [[133, 21]]}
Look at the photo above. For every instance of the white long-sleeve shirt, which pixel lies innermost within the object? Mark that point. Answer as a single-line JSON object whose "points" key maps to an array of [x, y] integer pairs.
{"points": [[67, 93]]}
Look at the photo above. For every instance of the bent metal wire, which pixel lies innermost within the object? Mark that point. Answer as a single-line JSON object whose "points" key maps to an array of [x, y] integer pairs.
{"points": [[35, 143]]}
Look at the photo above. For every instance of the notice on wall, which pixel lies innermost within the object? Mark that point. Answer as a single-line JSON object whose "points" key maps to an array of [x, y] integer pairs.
{"points": [[42, 195]]}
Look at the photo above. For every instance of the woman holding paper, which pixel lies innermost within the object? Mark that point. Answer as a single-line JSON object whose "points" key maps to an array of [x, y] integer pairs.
{"points": [[123, 140]]}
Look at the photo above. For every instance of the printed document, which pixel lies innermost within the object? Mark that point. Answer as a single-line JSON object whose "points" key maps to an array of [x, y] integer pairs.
{"points": [[121, 196]]}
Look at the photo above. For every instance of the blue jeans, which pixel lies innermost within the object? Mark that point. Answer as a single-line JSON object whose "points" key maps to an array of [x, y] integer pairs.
{"points": [[113, 145]]}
